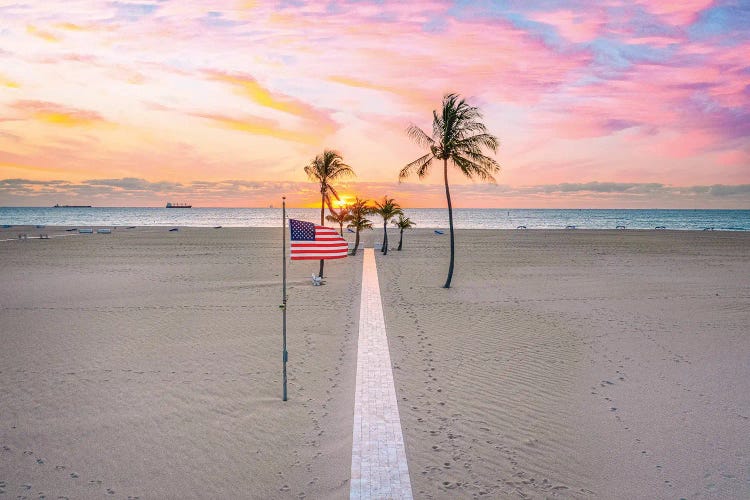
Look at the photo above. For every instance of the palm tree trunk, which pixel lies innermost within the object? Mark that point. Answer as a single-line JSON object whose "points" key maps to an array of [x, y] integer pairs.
{"points": [[385, 238], [400, 239], [341, 229], [450, 223], [356, 243], [322, 223]]}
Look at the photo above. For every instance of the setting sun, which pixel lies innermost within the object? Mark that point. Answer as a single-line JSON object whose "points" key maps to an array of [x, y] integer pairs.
{"points": [[343, 201]]}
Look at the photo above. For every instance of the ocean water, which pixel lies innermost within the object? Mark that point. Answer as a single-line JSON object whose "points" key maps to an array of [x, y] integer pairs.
{"points": [[433, 218]]}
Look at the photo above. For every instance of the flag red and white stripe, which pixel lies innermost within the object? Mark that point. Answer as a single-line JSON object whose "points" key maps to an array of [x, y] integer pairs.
{"points": [[311, 242]]}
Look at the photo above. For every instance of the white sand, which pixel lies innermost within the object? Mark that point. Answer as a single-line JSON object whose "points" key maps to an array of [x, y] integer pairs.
{"points": [[148, 364], [578, 364], [562, 363]]}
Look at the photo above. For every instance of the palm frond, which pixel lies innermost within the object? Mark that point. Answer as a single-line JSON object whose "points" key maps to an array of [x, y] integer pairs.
{"points": [[329, 203], [420, 165], [479, 166], [418, 135], [486, 140], [403, 222], [387, 208], [332, 190], [459, 135], [312, 172]]}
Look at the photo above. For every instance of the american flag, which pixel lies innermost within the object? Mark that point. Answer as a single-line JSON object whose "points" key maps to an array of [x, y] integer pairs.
{"points": [[311, 242]]}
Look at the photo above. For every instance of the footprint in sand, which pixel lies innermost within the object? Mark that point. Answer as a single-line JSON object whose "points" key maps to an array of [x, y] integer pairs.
{"points": [[73, 475]]}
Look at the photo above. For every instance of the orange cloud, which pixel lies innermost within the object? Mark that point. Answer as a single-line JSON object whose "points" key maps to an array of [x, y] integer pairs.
{"points": [[260, 126], [57, 114], [70, 27], [247, 86], [44, 35], [353, 82], [7, 82]]}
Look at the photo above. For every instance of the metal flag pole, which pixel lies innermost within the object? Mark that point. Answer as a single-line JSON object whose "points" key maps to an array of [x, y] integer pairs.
{"points": [[285, 354]]}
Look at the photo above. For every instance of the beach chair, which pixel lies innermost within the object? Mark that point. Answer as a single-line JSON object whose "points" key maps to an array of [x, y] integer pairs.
{"points": [[104, 230], [437, 231], [377, 246], [86, 230]]}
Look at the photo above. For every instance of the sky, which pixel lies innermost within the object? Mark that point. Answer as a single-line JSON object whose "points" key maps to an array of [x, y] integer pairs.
{"points": [[596, 103]]}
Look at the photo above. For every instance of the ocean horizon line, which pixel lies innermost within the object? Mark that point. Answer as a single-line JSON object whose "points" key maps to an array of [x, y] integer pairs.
{"points": [[436, 218], [160, 207]]}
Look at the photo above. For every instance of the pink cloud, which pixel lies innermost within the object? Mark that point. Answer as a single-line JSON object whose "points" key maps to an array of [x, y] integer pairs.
{"points": [[253, 78], [676, 12], [735, 158], [575, 26]]}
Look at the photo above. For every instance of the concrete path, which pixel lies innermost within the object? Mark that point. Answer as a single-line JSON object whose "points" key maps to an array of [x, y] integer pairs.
{"points": [[379, 468]]}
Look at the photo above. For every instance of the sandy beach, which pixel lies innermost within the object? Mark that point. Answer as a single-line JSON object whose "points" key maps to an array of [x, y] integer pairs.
{"points": [[572, 364], [147, 363]]}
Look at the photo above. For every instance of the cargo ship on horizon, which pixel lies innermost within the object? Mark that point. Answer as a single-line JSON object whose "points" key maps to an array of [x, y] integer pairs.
{"points": [[179, 205]]}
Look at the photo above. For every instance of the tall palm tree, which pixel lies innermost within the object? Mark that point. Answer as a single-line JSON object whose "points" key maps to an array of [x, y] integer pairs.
{"points": [[339, 217], [357, 220], [326, 168], [458, 135], [386, 209], [402, 223]]}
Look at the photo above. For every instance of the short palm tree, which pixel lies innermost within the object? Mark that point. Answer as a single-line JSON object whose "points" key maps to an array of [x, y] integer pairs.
{"points": [[326, 168], [458, 135], [402, 223], [339, 216], [357, 220], [387, 209]]}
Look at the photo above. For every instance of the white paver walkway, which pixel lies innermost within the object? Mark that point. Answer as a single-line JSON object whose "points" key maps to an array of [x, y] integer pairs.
{"points": [[379, 468]]}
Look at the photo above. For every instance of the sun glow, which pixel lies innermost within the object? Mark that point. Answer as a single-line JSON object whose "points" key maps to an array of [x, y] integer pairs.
{"points": [[343, 201]]}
